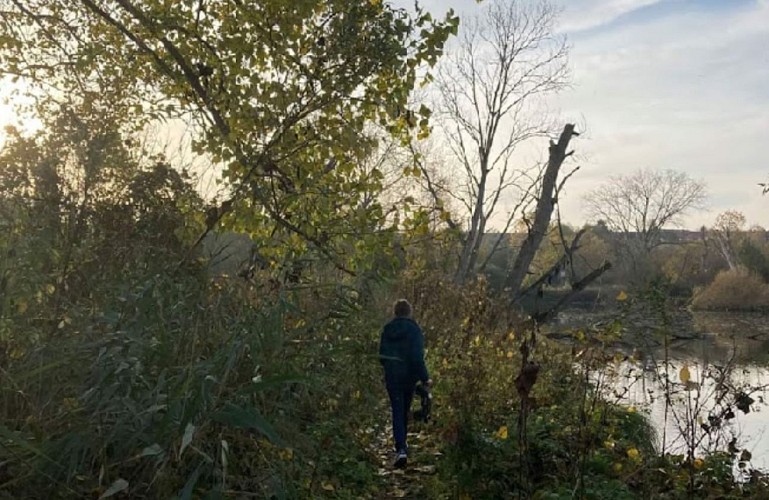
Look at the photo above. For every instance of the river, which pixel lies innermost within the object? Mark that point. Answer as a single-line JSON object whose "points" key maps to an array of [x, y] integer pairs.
{"points": [[706, 344]]}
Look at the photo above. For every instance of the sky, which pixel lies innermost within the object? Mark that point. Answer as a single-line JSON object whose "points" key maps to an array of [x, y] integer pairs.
{"points": [[666, 84], [662, 84]]}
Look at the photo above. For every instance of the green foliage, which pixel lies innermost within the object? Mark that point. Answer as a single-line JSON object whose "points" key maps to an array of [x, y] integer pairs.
{"points": [[131, 369], [754, 259], [687, 266], [578, 443], [283, 93]]}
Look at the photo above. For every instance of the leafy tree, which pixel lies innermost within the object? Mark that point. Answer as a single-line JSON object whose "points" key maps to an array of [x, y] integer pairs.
{"points": [[686, 266], [281, 93], [78, 208]]}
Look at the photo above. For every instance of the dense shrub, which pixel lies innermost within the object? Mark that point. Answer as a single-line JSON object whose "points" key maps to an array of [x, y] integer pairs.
{"points": [[129, 368], [754, 259], [736, 290]]}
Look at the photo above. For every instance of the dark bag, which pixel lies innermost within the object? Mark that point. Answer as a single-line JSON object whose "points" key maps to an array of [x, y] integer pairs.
{"points": [[426, 403]]}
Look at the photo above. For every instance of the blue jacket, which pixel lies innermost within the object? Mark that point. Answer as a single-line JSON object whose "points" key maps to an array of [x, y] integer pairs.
{"points": [[402, 353]]}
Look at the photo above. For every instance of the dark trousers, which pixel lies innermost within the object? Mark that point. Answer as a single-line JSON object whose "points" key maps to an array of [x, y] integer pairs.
{"points": [[400, 403]]}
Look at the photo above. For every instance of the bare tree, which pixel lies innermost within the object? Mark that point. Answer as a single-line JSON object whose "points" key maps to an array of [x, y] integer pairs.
{"points": [[488, 84], [725, 232], [640, 205]]}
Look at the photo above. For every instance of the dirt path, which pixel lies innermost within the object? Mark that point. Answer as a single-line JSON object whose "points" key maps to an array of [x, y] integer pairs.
{"points": [[423, 461]]}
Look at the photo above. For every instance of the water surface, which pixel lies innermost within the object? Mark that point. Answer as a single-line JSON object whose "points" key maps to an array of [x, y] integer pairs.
{"points": [[707, 344]]}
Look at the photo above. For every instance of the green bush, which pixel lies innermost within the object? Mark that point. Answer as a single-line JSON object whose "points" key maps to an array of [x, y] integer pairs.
{"points": [[754, 259]]}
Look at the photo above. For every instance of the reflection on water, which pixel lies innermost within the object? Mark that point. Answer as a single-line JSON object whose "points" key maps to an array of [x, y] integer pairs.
{"points": [[706, 344]]}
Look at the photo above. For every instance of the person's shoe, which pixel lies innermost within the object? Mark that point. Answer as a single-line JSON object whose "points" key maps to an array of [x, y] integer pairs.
{"points": [[401, 459]]}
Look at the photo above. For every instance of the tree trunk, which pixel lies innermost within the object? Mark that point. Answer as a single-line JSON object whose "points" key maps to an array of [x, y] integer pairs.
{"points": [[726, 248], [544, 317], [567, 256], [474, 237], [544, 212]]}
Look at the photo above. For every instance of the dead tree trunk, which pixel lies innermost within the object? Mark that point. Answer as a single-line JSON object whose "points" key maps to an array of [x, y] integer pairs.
{"points": [[545, 205], [544, 317]]}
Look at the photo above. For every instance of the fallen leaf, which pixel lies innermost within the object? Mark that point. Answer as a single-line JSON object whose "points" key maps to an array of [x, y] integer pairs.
{"points": [[116, 487], [187, 438]]}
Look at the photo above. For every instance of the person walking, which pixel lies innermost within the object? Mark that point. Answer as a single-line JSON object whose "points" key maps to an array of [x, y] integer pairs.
{"points": [[401, 352]]}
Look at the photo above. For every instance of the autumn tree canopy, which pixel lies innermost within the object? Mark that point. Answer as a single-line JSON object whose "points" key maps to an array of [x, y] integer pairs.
{"points": [[281, 93]]}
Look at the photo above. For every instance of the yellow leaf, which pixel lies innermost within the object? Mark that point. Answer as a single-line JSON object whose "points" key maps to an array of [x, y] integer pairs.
{"points": [[621, 296], [502, 432], [21, 307], [49, 288], [698, 463], [509, 354], [326, 485], [633, 454], [16, 353], [684, 374], [286, 454], [617, 467]]}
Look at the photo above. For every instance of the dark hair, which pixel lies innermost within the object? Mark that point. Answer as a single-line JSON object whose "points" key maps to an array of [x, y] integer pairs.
{"points": [[402, 308]]}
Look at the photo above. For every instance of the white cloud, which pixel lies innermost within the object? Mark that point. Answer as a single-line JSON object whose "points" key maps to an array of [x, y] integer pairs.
{"points": [[586, 14], [689, 91], [667, 84]]}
